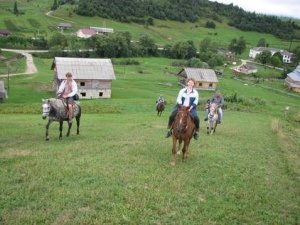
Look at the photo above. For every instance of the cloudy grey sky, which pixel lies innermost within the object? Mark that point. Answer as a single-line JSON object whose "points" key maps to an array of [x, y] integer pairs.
{"points": [[290, 8]]}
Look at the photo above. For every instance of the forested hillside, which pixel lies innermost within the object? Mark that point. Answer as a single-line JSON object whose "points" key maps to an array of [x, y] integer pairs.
{"points": [[187, 10]]}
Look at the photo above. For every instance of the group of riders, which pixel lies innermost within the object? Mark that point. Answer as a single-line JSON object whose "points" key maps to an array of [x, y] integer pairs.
{"points": [[189, 97]]}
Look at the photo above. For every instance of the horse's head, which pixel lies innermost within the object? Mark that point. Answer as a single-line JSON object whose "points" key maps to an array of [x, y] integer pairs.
{"points": [[181, 118], [213, 108], [45, 108]]}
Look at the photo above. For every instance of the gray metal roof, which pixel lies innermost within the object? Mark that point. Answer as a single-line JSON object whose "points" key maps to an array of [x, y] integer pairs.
{"points": [[199, 74], [84, 68], [295, 75]]}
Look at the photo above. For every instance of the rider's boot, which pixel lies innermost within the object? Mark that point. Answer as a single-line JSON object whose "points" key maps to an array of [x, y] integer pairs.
{"points": [[171, 120], [197, 123], [169, 132], [196, 135]]}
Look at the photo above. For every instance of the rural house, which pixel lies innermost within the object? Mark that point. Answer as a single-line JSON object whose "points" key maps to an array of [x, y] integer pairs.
{"points": [[206, 79], [64, 26], [4, 33], [89, 32], [102, 30], [293, 80], [2, 92], [86, 33], [93, 76], [286, 56], [245, 68]]}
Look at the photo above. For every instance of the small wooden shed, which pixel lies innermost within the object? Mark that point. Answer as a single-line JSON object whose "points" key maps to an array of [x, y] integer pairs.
{"points": [[93, 76], [293, 80], [206, 79]]}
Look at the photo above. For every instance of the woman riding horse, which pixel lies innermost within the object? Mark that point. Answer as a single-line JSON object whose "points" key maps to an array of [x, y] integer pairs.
{"points": [[187, 97]]}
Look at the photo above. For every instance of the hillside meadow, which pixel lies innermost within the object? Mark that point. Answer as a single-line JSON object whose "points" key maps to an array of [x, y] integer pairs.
{"points": [[117, 171], [36, 19]]}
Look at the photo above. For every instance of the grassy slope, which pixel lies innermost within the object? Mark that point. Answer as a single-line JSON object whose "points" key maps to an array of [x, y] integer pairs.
{"points": [[117, 171]]}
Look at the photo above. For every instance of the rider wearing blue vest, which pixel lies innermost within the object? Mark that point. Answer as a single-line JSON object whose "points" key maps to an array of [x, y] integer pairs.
{"points": [[187, 96]]}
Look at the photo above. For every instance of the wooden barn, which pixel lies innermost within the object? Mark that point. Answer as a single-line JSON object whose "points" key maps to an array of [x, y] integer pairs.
{"points": [[293, 80], [206, 79], [93, 76]]}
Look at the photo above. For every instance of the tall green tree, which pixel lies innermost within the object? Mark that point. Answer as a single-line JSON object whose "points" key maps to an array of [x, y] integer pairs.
{"points": [[16, 10], [262, 43], [264, 57], [55, 5], [237, 46]]}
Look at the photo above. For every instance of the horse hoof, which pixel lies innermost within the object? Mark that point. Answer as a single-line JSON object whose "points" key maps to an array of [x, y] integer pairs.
{"points": [[47, 139], [172, 163]]}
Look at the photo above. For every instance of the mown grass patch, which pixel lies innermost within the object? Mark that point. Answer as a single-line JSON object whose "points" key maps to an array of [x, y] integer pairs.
{"points": [[117, 171]]}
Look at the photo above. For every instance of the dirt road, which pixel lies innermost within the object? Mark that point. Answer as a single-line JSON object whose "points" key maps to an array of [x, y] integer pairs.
{"points": [[30, 67]]}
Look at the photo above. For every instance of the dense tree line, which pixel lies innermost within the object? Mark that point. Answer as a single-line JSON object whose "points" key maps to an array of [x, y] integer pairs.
{"points": [[186, 10]]}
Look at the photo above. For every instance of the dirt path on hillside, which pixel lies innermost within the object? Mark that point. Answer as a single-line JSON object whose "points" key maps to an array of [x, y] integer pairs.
{"points": [[30, 66], [49, 14]]}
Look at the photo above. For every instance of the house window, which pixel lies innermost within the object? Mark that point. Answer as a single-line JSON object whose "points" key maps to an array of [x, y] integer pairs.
{"points": [[83, 94], [210, 84], [82, 84], [100, 94], [200, 84]]}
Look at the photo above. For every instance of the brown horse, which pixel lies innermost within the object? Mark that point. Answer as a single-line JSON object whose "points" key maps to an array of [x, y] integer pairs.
{"points": [[183, 130], [160, 107], [212, 118]]}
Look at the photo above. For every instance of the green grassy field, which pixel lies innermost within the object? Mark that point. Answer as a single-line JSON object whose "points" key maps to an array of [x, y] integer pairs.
{"points": [[117, 171]]}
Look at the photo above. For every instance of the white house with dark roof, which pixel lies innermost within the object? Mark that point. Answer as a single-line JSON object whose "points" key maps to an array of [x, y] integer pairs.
{"points": [[93, 76], [286, 56], [206, 79], [293, 80]]}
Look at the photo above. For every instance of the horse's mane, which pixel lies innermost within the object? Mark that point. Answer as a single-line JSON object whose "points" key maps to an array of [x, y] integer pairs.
{"points": [[57, 108]]}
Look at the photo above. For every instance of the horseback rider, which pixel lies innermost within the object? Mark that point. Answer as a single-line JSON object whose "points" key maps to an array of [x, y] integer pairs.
{"points": [[67, 90], [188, 97], [159, 100], [219, 101]]}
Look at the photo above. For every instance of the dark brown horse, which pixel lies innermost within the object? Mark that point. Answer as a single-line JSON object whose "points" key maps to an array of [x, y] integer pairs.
{"points": [[183, 130], [160, 107]]}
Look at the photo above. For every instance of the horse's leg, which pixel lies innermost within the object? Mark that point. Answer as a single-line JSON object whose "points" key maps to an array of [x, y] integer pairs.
{"points": [[69, 128], [47, 129], [60, 129], [185, 150], [173, 162], [179, 147], [78, 124], [215, 127]]}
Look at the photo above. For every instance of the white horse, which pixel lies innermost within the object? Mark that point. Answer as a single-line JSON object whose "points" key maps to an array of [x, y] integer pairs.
{"points": [[212, 118], [56, 110]]}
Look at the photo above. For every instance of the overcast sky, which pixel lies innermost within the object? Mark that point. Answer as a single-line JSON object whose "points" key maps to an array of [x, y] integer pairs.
{"points": [[290, 8]]}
